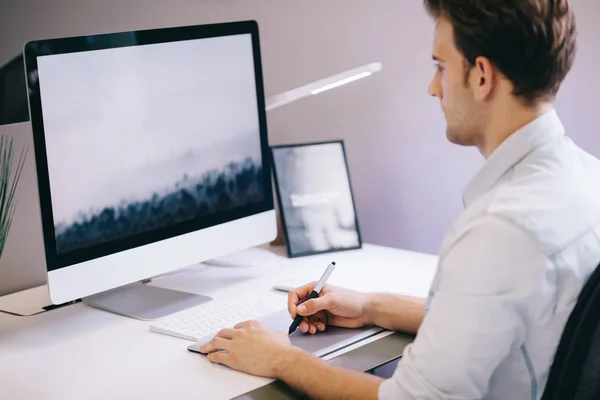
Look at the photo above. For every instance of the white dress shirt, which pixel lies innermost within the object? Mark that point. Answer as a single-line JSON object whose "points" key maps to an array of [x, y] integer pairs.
{"points": [[510, 270]]}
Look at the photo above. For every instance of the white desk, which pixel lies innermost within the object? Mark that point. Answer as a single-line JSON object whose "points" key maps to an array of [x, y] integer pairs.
{"points": [[78, 352]]}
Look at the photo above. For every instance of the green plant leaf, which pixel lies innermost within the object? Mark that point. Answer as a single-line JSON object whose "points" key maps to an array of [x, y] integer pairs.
{"points": [[9, 180]]}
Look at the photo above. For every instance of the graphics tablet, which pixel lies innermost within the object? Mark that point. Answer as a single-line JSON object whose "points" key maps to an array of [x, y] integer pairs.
{"points": [[319, 344]]}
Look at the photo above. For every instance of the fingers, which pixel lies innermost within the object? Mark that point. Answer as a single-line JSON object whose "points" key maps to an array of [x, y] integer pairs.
{"points": [[303, 326], [297, 295], [251, 324], [220, 357], [222, 340], [216, 344], [312, 327], [307, 327], [226, 333], [313, 306], [244, 324]]}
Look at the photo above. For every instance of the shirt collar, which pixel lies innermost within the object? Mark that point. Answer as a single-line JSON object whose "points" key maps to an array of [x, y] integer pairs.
{"points": [[517, 146]]}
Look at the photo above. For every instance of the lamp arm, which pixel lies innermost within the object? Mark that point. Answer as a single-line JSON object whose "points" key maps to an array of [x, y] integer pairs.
{"points": [[322, 85]]}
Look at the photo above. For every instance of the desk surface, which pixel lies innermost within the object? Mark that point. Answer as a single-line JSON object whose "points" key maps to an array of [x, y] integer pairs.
{"points": [[80, 352]]}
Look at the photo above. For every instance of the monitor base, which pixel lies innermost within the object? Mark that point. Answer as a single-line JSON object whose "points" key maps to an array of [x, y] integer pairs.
{"points": [[144, 302], [252, 257]]}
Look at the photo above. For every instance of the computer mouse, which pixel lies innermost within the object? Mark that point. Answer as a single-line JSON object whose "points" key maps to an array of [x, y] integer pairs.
{"points": [[195, 347]]}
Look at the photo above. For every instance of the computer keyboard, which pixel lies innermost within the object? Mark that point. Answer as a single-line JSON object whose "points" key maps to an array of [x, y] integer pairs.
{"points": [[207, 319]]}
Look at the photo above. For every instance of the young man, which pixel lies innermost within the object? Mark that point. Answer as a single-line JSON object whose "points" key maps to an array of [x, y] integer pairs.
{"points": [[512, 265]]}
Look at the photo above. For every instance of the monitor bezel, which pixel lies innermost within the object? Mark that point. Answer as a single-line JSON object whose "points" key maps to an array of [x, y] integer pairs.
{"points": [[44, 47]]}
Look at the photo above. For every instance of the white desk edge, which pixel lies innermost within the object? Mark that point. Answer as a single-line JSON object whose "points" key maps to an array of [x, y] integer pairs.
{"points": [[80, 352]]}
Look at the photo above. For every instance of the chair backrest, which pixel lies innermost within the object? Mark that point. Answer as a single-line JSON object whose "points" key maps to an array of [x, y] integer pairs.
{"points": [[575, 371]]}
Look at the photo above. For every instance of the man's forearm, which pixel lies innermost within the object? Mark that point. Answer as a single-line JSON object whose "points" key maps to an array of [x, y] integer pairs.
{"points": [[395, 312], [318, 379]]}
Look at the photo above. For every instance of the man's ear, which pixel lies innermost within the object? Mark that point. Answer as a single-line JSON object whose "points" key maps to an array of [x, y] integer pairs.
{"points": [[484, 74]]}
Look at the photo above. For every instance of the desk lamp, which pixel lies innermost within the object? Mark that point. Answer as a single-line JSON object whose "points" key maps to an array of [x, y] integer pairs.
{"points": [[322, 85], [257, 256]]}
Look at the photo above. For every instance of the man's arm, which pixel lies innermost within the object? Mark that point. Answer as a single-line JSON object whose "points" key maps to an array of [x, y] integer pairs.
{"points": [[491, 290], [395, 312], [318, 379]]}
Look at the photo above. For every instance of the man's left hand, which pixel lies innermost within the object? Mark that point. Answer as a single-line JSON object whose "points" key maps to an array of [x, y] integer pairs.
{"points": [[250, 347]]}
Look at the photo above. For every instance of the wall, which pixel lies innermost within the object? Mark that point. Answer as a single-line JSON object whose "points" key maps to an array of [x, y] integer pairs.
{"points": [[407, 179]]}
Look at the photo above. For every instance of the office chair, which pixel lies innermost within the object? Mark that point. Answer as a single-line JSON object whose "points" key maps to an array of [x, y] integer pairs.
{"points": [[575, 371]]}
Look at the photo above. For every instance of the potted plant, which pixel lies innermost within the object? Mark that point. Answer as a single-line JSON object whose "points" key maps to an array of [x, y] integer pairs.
{"points": [[9, 179]]}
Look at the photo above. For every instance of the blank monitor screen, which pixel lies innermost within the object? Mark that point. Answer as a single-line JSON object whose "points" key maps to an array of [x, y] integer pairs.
{"points": [[147, 141]]}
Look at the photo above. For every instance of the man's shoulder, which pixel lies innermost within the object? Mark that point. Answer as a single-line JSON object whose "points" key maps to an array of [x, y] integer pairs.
{"points": [[555, 197]]}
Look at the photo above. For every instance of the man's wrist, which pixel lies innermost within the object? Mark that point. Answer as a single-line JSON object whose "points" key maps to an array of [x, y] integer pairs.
{"points": [[368, 307], [290, 360], [316, 378]]}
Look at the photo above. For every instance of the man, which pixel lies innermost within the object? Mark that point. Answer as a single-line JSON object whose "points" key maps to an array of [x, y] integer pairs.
{"points": [[512, 265]]}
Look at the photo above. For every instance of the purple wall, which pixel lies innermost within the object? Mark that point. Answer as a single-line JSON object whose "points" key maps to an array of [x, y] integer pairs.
{"points": [[407, 179]]}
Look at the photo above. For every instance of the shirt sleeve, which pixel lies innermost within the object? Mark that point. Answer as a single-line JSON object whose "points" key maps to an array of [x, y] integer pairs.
{"points": [[487, 294]]}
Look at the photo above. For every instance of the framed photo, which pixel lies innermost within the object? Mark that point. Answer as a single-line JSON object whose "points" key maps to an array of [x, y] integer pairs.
{"points": [[315, 199]]}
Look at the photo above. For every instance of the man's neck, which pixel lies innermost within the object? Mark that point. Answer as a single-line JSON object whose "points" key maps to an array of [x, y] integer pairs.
{"points": [[507, 120]]}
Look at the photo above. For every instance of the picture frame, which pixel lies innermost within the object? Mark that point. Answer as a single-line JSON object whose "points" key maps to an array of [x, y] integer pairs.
{"points": [[315, 198]]}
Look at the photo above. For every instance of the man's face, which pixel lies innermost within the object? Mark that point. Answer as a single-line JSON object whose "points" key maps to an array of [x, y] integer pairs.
{"points": [[451, 85]]}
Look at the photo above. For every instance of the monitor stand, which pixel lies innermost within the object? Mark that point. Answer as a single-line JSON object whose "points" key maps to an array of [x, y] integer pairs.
{"points": [[252, 257], [145, 302]]}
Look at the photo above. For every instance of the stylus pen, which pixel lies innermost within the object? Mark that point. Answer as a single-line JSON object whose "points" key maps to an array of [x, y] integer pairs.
{"points": [[313, 294]]}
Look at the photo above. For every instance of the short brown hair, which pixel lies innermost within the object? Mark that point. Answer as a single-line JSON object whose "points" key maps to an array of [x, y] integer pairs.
{"points": [[531, 42]]}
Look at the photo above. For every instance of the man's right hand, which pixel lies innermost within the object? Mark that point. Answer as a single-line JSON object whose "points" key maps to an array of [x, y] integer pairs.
{"points": [[335, 306]]}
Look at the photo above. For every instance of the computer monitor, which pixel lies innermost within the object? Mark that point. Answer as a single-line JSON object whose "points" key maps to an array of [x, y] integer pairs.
{"points": [[152, 155], [13, 96]]}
